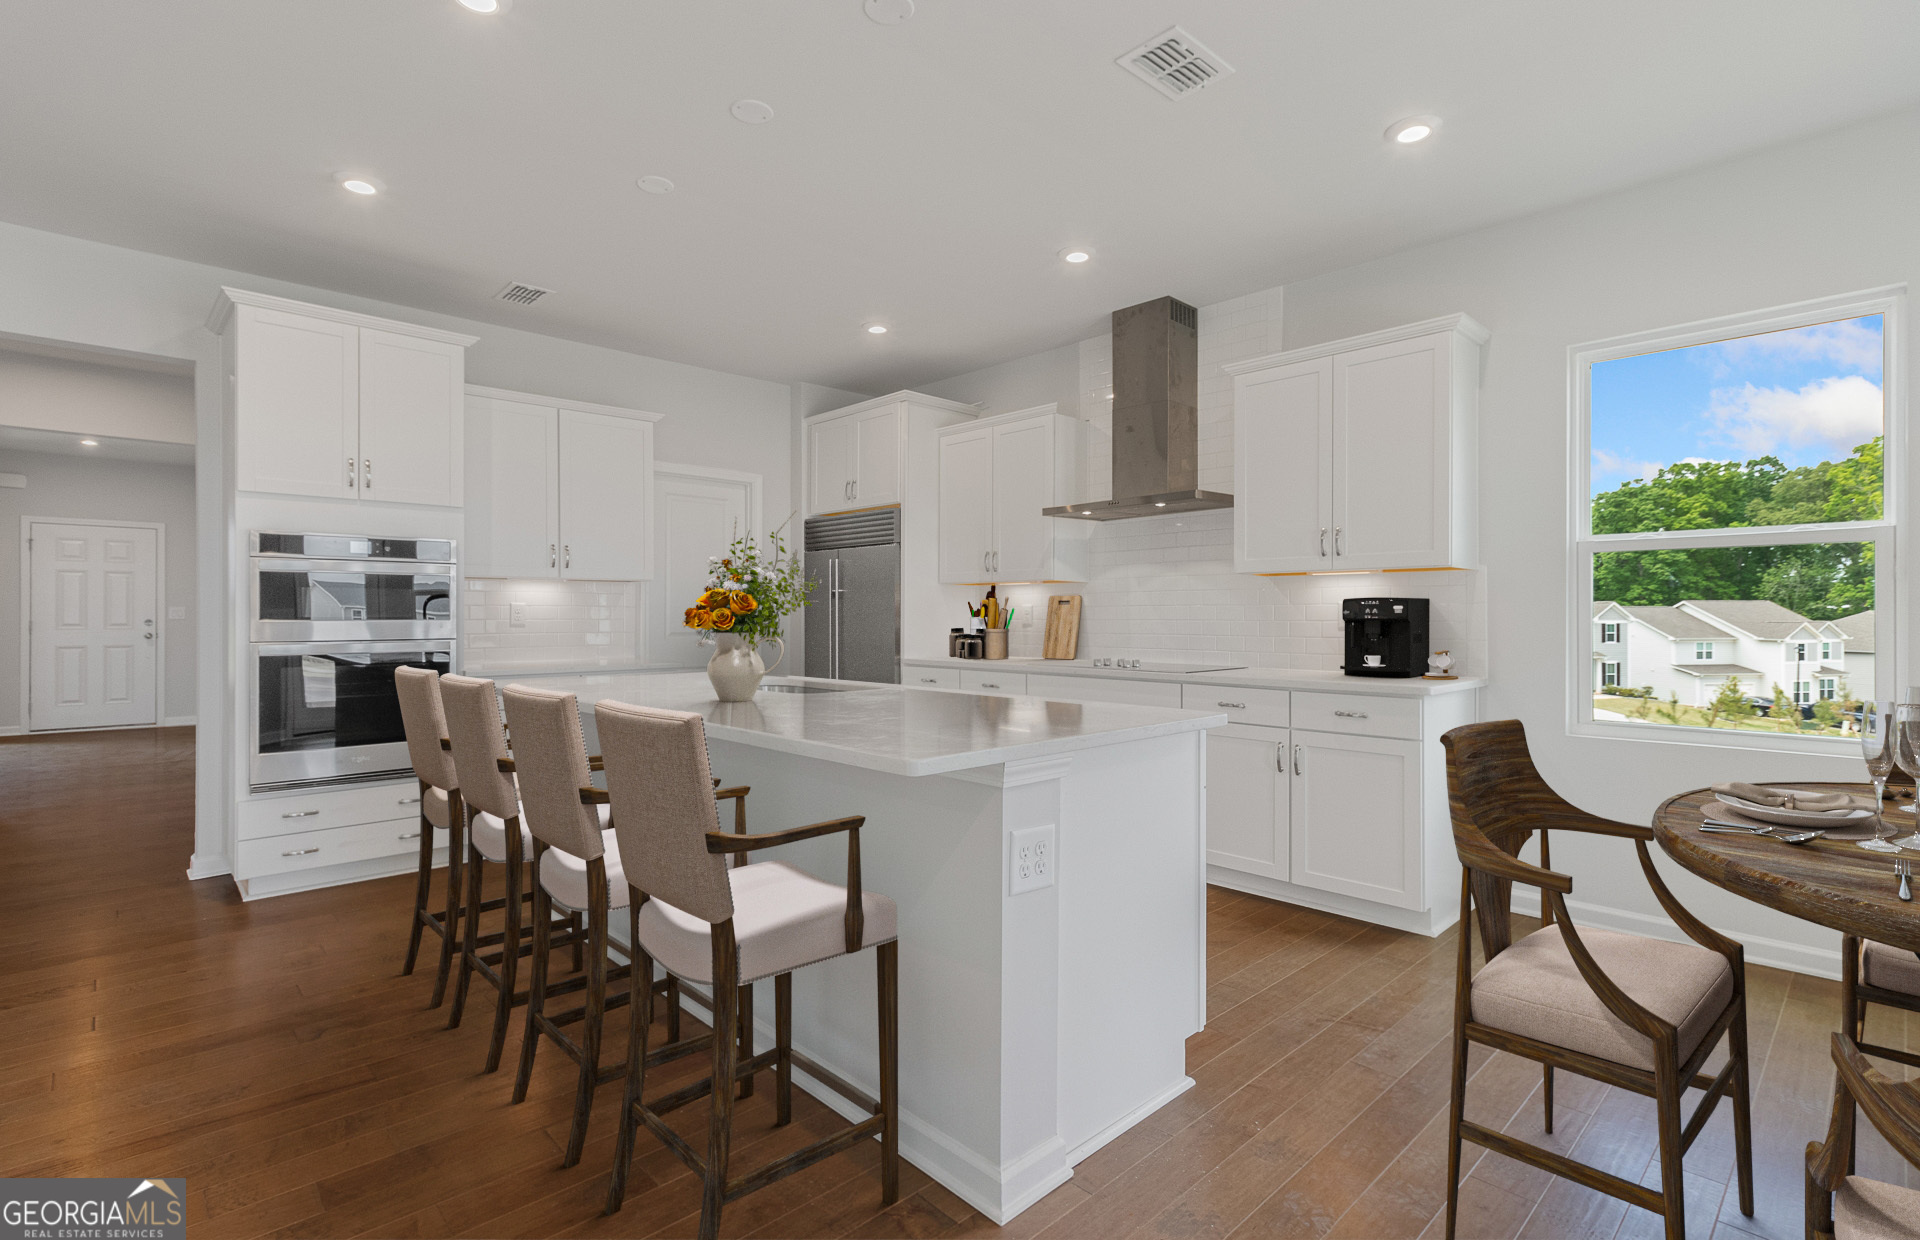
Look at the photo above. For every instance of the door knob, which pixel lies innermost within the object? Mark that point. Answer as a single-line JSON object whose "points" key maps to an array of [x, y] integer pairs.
{"points": [[148, 636]]}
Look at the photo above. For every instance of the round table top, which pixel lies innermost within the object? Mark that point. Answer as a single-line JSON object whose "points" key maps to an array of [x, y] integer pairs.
{"points": [[1834, 883]]}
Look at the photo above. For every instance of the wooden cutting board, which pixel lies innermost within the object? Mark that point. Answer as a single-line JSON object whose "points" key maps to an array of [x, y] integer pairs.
{"points": [[1063, 627]]}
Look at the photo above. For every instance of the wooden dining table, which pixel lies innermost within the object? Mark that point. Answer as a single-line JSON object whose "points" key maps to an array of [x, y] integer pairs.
{"points": [[1832, 883]]}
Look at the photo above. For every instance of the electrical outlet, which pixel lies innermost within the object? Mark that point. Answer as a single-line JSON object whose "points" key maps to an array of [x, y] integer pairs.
{"points": [[517, 615], [1030, 859]]}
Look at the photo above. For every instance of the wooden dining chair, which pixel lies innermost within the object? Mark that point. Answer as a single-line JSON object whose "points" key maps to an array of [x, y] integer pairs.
{"points": [[1843, 1206], [1639, 1013], [1872, 972], [425, 724], [726, 926]]}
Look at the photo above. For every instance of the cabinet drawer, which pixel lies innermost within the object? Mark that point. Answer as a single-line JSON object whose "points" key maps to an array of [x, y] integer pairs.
{"points": [[978, 680], [310, 850], [1357, 714], [931, 677], [1098, 689], [331, 807], [1266, 707]]}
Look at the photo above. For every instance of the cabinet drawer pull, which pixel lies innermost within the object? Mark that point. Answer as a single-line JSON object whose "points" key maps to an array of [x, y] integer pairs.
{"points": [[409, 800], [301, 813], [929, 680], [301, 852], [410, 835], [1232, 705], [1349, 714], [988, 684]]}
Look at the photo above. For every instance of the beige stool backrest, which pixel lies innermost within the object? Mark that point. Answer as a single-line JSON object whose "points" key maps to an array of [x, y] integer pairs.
{"points": [[425, 723], [479, 742], [550, 762], [661, 789]]}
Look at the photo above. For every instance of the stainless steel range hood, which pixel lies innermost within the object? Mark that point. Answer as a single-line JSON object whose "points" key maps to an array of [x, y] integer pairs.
{"points": [[1156, 417]]}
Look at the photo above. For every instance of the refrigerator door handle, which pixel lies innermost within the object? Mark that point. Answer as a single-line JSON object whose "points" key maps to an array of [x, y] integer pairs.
{"points": [[833, 612]]}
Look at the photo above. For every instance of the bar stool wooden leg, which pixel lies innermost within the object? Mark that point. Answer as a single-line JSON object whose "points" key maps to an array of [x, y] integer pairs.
{"points": [[1546, 1092], [421, 892], [573, 924], [783, 1040], [510, 953], [639, 1026], [537, 984], [746, 1036], [887, 962], [673, 1009], [595, 1017], [456, 855], [476, 869], [726, 990]]}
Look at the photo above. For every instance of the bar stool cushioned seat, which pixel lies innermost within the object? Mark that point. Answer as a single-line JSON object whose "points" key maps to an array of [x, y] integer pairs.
{"points": [[1866, 1209], [783, 919], [490, 836], [1890, 968], [1534, 989], [436, 807], [564, 876]]}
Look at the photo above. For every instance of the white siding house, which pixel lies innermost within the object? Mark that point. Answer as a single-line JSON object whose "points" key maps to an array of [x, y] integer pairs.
{"points": [[1694, 647]]}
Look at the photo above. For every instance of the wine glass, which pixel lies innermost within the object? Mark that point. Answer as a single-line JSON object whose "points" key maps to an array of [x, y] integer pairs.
{"points": [[1877, 746], [1906, 749]]}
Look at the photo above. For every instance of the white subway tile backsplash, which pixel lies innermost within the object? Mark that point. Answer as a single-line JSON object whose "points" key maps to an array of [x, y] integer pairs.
{"points": [[567, 624]]}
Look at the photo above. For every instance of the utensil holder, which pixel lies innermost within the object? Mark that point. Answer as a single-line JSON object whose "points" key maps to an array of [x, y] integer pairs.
{"points": [[996, 644]]}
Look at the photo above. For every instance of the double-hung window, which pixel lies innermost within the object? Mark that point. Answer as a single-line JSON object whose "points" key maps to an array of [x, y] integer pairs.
{"points": [[1609, 634], [1731, 473], [1610, 674]]}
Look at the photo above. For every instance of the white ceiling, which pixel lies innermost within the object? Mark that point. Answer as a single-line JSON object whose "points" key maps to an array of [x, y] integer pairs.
{"points": [[923, 175], [107, 447]]}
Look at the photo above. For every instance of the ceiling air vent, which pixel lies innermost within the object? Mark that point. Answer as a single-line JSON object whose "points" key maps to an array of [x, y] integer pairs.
{"points": [[1176, 64], [522, 294]]}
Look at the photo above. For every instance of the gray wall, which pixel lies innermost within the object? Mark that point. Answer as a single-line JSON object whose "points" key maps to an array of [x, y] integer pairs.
{"points": [[72, 486]]}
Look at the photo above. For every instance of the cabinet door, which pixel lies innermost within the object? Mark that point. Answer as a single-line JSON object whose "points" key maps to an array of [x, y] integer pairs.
{"points": [[829, 466], [1247, 800], [513, 489], [606, 497], [1282, 469], [876, 457], [966, 506], [1356, 817], [412, 416], [1392, 456], [1022, 486], [296, 404]]}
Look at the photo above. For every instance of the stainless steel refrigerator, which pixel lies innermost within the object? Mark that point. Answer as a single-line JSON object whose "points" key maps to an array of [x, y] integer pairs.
{"points": [[853, 617]]}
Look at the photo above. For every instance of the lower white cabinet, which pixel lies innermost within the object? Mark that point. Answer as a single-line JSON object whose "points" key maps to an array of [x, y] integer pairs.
{"points": [[930, 677], [985, 680], [1249, 800], [1357, 821], [1100, 689]]}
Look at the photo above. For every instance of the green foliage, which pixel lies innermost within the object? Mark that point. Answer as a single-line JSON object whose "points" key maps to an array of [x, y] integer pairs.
{"points": [[1730, 703], [1783, 707], [1821, 581], [771, 576], [1672, 709], [1826, 713]]}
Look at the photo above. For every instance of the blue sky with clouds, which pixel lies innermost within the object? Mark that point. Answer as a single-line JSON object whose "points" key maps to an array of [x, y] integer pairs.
{"points": [[1805, 395]]}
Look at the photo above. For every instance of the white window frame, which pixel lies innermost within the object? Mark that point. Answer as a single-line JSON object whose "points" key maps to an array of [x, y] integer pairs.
{"points": [[1610, 667], [1829, 687], [1609, 626], [1826, 651], [1889, 572], [1703, 652]]}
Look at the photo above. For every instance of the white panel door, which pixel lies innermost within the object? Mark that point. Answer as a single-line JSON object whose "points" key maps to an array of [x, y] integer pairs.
{"points": [[829, 465], [513, 489], [606, 497], [1022, 486], [412, 414], [297, 405], [1356, 817], [1282, 469], [876, 457], [1248, 805], [1392, 464], [693, 518], [966, 506], [93, 626]]}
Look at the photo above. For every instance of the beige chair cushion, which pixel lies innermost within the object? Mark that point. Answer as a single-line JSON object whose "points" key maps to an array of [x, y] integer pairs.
{"points": [[434, 803], [1534, 989], [1890, 968], [565, 875], [1870, 1210], [782, 919], [490, 837]]}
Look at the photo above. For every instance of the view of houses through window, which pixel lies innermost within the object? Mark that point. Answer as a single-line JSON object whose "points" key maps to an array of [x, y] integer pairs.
{"points": [[1745, 476]]}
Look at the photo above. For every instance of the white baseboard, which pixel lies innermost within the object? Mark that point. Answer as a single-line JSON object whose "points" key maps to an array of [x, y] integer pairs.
{"points": [[334, 875], [13, 731], [1086, 1149], [208, 867], [180, 721], [1775, 953], [1430, 922]]}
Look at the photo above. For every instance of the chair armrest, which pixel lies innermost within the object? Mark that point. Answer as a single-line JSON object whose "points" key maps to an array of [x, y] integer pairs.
{"points": [[730, 794], [446, 745], [1692, 926], [595, 762], [1476, 854], [855, 920], [593, 796], [505, 765]]}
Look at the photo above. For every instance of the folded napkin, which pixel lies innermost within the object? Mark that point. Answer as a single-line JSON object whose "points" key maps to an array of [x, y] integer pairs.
{"points": [[1787, 798]]}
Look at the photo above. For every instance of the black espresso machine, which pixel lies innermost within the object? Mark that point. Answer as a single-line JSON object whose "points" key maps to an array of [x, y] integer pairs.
{"points": [[1385, 636]]}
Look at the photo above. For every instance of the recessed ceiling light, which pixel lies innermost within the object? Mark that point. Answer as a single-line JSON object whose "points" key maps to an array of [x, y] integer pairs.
{"points": [[1413, 129], [751, 111], [1159, 504], [889, 12], [489, 7], [876, 329], [366, 187], [89, 443], [655, 185], [1074, 254]]}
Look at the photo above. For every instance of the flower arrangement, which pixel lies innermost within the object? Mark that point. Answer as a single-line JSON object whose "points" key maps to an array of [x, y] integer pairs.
{"points": [[749, 589]]}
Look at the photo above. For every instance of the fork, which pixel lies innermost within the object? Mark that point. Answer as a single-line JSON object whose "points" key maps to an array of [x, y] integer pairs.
{"points": [[1901, 871]]}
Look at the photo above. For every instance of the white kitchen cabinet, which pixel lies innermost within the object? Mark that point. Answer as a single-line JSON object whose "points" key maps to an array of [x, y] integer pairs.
{"points": [[1249, 802], [1357, 820], [557, 488], [830, 465], [989, 679], [857, 457], [1360, 454], [338, 405], [995, 477], [1102, 689]]}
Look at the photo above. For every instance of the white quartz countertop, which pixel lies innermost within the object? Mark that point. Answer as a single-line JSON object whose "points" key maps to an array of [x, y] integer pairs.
{"points": [[1248, 677], [886, 727]]}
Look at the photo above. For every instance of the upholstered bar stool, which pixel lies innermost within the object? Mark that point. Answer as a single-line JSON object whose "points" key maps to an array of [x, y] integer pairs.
{"points": [[725, 927], [425, 724], [495, 834]]}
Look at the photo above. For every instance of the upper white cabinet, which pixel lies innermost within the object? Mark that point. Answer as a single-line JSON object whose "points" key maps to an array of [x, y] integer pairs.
{"points": [[1360, 454], [557, 488], [857, 457], [341, 405], [995, 477]]}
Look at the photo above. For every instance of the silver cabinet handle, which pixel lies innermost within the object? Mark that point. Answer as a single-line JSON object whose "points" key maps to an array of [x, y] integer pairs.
{"points": [[1297, 757], [1280, 758], [1349, 714], [988, 684], [1232, 705], [553, 555], [353, 475], [410, 835], [367, 466], [300, 852], [1323, 540], [566, 555], [1336, 541], [409, 800], [301, 813], [853, 489], [996, 561]]}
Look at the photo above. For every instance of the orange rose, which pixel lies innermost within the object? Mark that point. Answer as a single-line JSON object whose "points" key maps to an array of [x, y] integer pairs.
{"points": [[714, 598], [698, 618], [722, 619], [691, 612], [742, 602]]}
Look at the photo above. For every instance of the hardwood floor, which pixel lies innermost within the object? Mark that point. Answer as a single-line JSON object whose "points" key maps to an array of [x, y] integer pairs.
{"points": [[272, 1054]]}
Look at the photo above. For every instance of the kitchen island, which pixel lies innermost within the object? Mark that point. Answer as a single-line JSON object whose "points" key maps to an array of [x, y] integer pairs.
{"points": [[1034, 1027]]}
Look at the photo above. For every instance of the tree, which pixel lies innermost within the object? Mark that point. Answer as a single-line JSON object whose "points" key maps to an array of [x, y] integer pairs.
{"points": [[1784, 709], [1827, 714], [1730, 704], [1672, 709]]}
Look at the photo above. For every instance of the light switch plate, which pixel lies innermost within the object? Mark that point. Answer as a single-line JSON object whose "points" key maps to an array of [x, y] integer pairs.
{"points": [[176, 613], [1030, 859]]}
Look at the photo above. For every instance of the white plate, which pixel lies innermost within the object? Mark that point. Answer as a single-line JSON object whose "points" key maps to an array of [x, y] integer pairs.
{"points": [[1794, 817]]}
